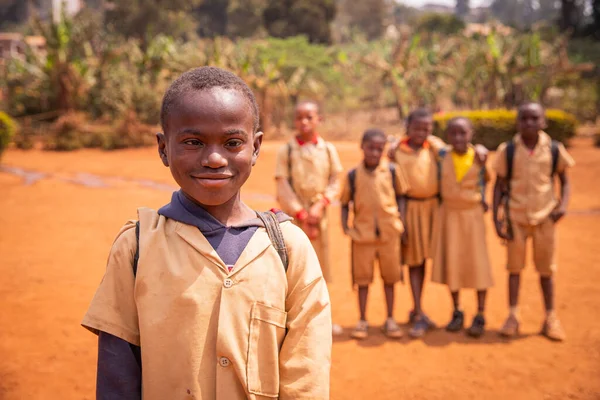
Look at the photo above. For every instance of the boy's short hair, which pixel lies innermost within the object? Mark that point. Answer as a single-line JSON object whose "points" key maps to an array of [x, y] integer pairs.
{"points": [[206, 78], [530, 103], [311, 102], [459, 118], [373, 133], [417, 114]]}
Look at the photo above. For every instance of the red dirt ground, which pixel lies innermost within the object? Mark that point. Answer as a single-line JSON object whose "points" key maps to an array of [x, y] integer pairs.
{"points": [[55, 236]]}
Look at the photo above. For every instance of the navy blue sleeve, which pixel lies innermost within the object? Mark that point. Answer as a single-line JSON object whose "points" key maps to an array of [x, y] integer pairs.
{"points": [[119, 369]]}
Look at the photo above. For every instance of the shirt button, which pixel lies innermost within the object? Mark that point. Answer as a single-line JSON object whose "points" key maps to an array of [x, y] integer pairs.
{"points": [[224, 362], [228, 283]]}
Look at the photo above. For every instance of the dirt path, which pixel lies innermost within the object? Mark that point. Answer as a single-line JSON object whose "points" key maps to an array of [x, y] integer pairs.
{"points": [[55, 235]]}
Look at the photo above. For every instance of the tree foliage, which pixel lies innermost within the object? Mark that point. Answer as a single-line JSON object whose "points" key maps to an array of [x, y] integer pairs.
{"points": [[300, 17]]}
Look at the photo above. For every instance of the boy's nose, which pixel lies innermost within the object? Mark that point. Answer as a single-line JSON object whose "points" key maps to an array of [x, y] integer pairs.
{"points": [[214, 160]]}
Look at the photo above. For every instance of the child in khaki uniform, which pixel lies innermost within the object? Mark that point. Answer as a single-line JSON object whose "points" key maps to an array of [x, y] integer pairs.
{"points": [[533, 209], [416, 158], [307, 173], [373, 188], [211, 305], [460, 256]]}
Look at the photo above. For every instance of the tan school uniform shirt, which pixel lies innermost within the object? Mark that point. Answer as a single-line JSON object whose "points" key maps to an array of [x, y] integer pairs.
{"points": [[532, 197], [374, 204], [314, 168], [206, 333]]}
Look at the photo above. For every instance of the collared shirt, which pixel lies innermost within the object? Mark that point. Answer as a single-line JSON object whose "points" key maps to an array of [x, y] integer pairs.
{"points": [[208, 333], [419, 167], [532, 196], [315, 169], [462, 162], [375, 207]]}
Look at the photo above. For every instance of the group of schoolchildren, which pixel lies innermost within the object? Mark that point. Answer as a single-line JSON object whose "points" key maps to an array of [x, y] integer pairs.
{"points": [[208, 299]]}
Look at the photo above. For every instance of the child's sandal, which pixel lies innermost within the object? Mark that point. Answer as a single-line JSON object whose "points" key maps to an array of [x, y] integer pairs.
{"points": [[391, 329], [360, 331]]}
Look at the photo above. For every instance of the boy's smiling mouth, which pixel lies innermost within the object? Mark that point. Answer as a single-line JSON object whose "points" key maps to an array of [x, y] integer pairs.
{"points": [[213, 180]]}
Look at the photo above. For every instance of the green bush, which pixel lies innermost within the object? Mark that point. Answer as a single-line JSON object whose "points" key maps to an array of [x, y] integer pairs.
{"points": [[493, 127], [66, 133], [7, 130]]}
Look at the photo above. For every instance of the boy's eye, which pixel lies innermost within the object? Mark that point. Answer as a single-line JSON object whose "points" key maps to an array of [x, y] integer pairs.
{"points": [[234, 143], [192, 142]]}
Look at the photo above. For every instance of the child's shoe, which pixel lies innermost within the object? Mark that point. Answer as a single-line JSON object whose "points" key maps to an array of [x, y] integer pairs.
{"points": [[391, 329], [457, 322], [412, 318], [361, 331], [552, 328], [510, 327], [421, 326], [336, 330], [477, 327]]}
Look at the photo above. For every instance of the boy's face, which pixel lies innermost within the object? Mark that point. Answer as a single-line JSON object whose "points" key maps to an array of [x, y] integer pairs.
{"points": [[459, 135], [307, 119], [419, 129], [531, 120], [373, 150], [210, 146]]}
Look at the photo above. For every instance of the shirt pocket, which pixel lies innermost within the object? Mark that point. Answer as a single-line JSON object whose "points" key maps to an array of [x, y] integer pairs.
{"points": [[267, 330]]}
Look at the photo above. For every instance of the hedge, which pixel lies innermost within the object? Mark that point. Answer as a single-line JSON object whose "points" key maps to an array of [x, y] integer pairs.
{"points": [[7, 130], [493, 127]]}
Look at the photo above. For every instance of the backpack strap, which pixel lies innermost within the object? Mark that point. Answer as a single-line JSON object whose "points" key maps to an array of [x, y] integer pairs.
{"points": [[393, 173], [482, 173], [510, 157], [554, 151], [289, 155], [136, 256], [352, 183], [441, 155], [271, 223]]}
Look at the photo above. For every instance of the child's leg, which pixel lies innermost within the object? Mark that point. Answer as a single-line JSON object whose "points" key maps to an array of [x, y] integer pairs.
{"points": [[363, 293], [481, 295], [389, 299], [547, 284], [455, 299], [458, 318], [514, 284], [478, 326], [417, 279]]}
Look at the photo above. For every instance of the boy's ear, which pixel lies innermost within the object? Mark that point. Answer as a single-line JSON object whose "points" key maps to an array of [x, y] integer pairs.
{"points": [[161, 140], [257, 142]]}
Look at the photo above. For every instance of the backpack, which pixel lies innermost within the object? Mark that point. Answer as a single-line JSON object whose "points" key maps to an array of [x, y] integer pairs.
{"points": [[268, 218], [289, 155], [510, 156], [442, 153], [352, 180]]}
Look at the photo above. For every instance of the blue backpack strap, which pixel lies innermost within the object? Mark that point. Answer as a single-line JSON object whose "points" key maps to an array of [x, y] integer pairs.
{"points": [[352, 183], [136, 256], [554, 151], [510, 157]]}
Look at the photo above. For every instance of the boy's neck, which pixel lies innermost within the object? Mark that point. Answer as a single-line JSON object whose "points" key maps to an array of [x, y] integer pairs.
{"points": [[232, 212], [308, 137], [413, 145], [370, 168], [531, 142]]}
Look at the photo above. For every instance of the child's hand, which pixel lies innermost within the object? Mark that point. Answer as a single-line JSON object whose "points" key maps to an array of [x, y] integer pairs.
{"points": [[500, 232], [481, 154], [557, 214], [315, 214], [311, 230]]}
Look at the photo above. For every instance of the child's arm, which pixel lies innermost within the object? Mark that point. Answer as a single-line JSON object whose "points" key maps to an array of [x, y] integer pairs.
{"points": [[316, 211], [402, 209], [119, 369], [305, 356], [564, 162], [499, 190], [286, 196], [345, 199], [565, 196]]}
